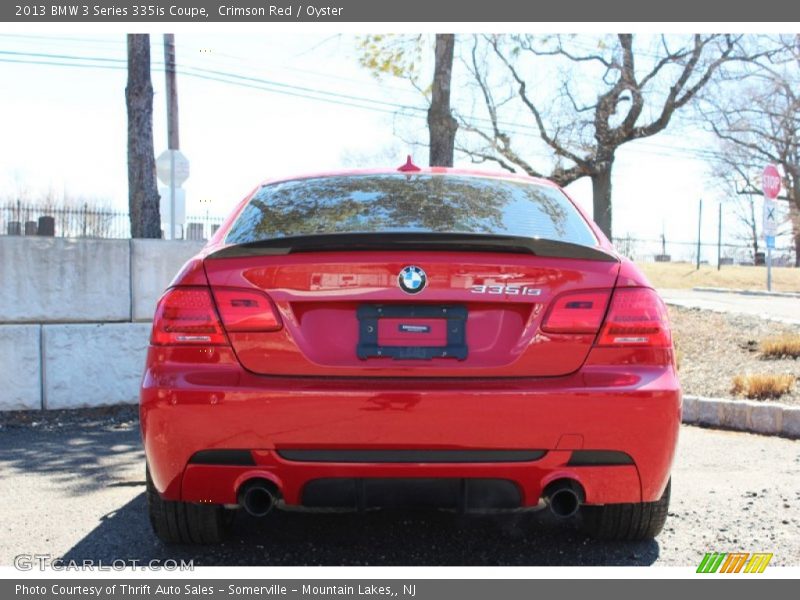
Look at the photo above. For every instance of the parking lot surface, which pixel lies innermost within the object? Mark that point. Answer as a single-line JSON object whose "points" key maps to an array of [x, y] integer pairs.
{"points": [[75, 490], [774, 308]]}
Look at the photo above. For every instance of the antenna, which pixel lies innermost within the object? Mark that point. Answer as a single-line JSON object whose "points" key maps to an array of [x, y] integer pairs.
{"points": [[409, 167]]}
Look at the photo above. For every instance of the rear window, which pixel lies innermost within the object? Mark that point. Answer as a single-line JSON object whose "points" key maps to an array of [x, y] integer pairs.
{"points": [[410, 203]]}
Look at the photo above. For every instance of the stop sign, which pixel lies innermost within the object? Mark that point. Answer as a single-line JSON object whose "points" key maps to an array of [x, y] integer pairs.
{"points": [[164, 167], [771, 182]]}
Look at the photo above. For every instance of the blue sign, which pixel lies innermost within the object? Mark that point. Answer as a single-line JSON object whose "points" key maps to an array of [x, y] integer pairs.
{"points": [[770, 239]]}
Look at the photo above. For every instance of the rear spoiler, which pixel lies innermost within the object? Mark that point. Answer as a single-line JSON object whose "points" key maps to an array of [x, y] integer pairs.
{"points": [[410, 241]]}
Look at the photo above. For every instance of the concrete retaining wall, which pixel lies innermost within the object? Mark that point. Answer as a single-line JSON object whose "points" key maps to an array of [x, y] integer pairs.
{"points": [[92, 364], [152, 268], [75, 317], [56, 279], [20, 367]]}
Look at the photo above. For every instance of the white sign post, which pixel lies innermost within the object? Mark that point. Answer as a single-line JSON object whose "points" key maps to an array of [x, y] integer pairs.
{"points": [[172, 168], [771, 186]]}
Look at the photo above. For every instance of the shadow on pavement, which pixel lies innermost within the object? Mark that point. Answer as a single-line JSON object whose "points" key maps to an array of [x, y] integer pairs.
{"points": [[374, 538], [78, 460]]}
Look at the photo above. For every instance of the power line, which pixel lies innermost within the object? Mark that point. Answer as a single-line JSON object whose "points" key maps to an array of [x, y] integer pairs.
{"points": [[216, 74], [349, 100], [227, 58]]}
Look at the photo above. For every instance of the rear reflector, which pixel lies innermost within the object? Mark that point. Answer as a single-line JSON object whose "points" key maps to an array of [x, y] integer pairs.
{"points": [[246, 310], [637, 317], [577, 312], [186, 315]]}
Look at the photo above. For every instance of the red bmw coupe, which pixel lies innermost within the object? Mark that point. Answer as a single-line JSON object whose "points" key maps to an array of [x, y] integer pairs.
{"points": [[430, 338]]}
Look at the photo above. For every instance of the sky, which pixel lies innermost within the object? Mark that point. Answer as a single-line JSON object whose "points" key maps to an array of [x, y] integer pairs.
{"points": [[63, 127]]}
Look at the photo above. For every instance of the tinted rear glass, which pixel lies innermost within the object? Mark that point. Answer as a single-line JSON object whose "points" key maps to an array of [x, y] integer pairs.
{"points": [[409, 203]]}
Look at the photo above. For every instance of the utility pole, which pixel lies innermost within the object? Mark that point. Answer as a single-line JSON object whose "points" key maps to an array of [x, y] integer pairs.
{"points": [[719, 238], [173, 140], [699, 228]]}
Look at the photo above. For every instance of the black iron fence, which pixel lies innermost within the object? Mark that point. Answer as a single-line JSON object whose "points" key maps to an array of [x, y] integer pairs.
{"points": [[93, 221], [87, 221]]}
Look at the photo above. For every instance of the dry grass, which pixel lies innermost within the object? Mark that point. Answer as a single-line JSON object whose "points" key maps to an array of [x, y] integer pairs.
{"points": [[684, 275], [715, 347], [762, 387], [676, 343], [782, 346]]}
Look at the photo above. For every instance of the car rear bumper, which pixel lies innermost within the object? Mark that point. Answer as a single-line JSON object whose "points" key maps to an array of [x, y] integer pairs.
{"points": [[611, 429]]}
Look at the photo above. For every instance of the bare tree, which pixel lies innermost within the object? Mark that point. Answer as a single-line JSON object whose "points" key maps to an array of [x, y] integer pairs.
{"points": [[143, 198], [734, 178], [403, 56], [597, 95], [761, 124]]}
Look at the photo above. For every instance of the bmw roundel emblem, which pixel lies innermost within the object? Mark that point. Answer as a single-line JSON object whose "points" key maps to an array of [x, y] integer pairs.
{"points": [[412, 279]]}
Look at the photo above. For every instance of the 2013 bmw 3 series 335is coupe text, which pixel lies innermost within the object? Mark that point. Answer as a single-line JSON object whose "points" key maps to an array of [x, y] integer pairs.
{"points": [[428, 338]]}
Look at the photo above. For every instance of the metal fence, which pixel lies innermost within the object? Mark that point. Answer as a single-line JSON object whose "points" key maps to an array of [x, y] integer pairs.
{"points": [[87, 221], [92, 221], [666, 250]]}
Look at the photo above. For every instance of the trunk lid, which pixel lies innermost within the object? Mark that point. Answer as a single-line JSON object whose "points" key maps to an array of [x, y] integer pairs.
{"points": [[345, 315]]}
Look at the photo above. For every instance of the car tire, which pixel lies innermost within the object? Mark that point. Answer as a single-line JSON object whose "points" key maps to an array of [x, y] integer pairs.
{"points": [[185, 522], [626, 522]]}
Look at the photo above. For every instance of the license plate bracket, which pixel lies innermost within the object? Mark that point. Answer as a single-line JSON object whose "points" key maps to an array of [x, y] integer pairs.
{"points": [[369, 346]]}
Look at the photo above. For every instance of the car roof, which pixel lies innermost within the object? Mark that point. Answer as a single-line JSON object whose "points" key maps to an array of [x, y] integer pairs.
{"points": [[415, 171]]}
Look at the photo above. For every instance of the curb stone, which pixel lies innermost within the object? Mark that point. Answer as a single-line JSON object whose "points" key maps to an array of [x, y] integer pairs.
{"points": [[720, 290], [767, 418]]}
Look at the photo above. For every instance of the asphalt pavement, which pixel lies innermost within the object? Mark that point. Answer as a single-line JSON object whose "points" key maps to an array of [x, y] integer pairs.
{"points": [[785, 309], [76, 491]]}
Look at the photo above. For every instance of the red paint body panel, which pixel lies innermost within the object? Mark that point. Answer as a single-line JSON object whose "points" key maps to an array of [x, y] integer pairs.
{"points": [[317, 295], [200, 398], [302, 387]]}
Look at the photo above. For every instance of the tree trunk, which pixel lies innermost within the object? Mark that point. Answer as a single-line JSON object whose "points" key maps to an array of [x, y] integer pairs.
{"points": [[441, 124], [601, 198], [797, 248], [143, 198]]}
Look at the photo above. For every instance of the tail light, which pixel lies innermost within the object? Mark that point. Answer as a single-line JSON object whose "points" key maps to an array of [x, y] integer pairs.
{"points": [[636, 317], [246, 310], [577, 312], [186, 315]]}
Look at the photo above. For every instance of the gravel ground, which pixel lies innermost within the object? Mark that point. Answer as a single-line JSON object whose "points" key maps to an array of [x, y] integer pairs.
{"points": [[714, 347], [115, 417], [73, 488]]}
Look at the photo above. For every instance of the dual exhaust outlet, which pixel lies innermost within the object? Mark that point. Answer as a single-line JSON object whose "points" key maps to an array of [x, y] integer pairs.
{"points": [[563, 496], [258, 497]]}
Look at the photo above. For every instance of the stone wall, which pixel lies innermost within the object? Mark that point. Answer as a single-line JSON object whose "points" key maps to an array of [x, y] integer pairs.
{"points": [[75, 317]]}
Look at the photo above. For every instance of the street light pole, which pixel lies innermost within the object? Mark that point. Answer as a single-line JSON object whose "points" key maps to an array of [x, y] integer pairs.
{"points": [[699, 228], [173, 141], [719, 238]]}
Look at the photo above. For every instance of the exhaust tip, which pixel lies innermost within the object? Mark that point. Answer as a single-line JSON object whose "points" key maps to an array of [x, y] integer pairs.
{"points": [[257, 497], [564, 497]]}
